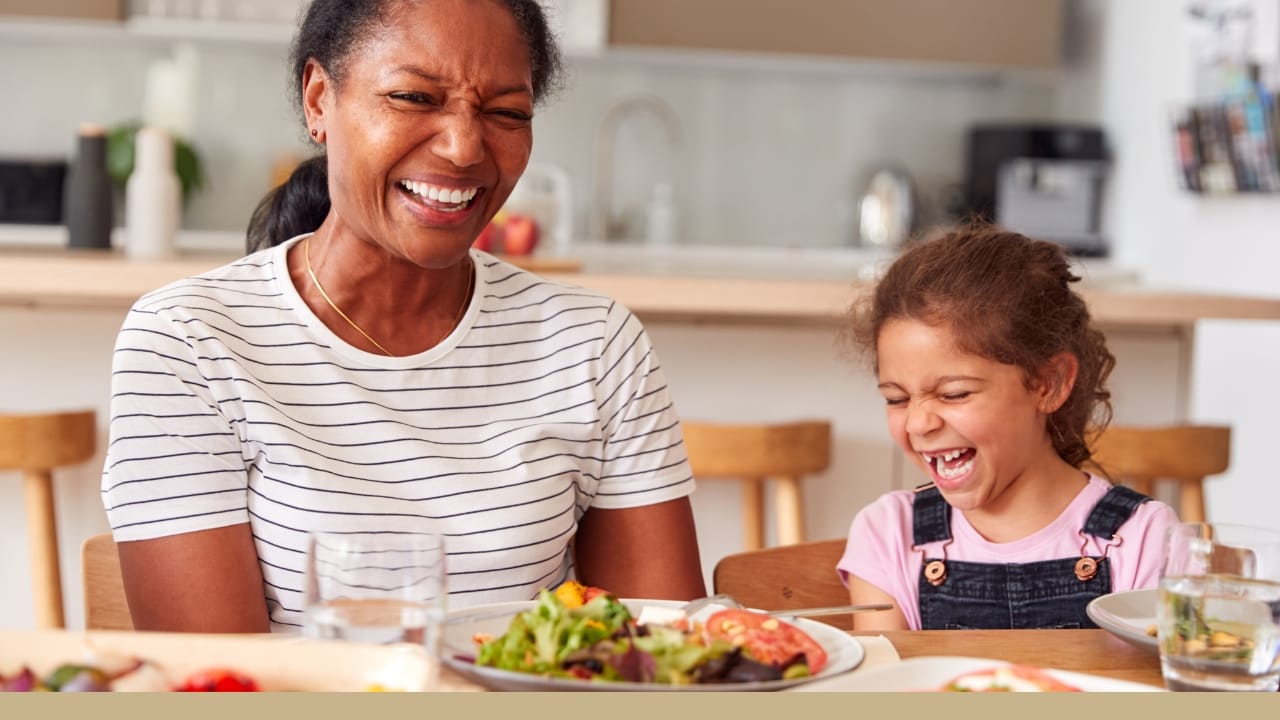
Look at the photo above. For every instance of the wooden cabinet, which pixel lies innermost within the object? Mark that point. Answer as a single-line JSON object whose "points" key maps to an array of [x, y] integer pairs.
{"points": [[1005, 33], [64, 9]]}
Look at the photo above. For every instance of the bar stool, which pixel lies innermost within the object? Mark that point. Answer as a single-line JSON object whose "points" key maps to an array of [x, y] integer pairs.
{"points": [[751, 454], [36, 445]]}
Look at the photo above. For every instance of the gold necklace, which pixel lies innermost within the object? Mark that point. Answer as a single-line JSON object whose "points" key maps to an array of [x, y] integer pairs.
{"points": [[306, 252]]}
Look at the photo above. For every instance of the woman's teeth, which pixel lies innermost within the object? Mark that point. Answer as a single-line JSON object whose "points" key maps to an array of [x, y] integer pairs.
{"points": [[435, 194]]}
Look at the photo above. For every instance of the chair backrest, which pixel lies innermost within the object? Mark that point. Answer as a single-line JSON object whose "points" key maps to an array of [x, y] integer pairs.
{"points": [[782, 453], [1139, 456], [105, 606], [785, 449], [786, 578], [46, 441]]}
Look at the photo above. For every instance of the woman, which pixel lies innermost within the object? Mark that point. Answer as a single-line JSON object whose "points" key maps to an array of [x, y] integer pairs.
{"points": [[377, 374]]}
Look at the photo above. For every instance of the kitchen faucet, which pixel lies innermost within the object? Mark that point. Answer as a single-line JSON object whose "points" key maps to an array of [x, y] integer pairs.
{"points": [[603, 225]]}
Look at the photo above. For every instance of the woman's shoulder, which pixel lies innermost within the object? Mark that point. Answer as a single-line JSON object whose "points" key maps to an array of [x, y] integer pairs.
{"points": [[253, 275], [217, 303]]}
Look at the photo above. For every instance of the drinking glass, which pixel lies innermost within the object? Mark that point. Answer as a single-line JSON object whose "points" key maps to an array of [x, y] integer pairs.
{"points": [[1219, 612], [376, 588]]}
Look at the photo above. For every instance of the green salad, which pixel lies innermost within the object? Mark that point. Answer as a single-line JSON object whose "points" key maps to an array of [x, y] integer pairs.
{"points": [[601, 641]]}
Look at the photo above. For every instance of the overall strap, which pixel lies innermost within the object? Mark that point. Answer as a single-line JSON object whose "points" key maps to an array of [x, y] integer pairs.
{"points": [[930, 516], [1113, 510]]}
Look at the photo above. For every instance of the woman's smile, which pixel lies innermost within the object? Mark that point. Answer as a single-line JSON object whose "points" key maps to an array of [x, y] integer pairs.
{"points": [[441, 205]]}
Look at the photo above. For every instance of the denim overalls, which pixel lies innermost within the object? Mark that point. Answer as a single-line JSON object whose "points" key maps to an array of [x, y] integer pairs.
{"points": [[1043, 594]]}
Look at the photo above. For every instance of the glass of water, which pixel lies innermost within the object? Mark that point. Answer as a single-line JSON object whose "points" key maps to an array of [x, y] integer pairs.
{"points": [[379, 588], [1219, 609]]}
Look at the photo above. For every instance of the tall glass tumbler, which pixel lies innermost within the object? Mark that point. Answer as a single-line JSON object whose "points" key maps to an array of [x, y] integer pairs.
{"points": [[376, 588], [1219, 609]]}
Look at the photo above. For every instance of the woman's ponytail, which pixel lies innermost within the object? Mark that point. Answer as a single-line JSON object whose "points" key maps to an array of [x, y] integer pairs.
{"points": [[298, 206]]}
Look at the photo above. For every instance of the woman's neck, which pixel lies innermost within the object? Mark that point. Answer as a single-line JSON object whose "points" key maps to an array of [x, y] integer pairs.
{"points": [[404, 307]]}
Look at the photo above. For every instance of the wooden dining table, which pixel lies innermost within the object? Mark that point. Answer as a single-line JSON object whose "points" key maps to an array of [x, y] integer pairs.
{"points": [[1095, 652]]}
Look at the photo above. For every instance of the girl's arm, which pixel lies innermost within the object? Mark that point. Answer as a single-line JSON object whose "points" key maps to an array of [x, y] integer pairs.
{"points": [[862, 592]]}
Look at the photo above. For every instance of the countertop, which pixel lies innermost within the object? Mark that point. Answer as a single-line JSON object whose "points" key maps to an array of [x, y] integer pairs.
{"points": [[755, 285]]}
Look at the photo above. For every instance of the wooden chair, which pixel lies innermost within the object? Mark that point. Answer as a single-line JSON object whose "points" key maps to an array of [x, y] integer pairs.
{"points": [[786, 578], [752, 454], [36, 445], [1140, 456], [105, 606]]}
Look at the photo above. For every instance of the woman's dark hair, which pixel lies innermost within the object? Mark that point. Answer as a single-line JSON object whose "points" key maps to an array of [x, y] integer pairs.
{"points": [[331, 30], [1007, 298]]}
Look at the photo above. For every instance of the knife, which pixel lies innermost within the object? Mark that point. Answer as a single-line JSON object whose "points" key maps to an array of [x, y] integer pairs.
{"points": [[832, 610]]}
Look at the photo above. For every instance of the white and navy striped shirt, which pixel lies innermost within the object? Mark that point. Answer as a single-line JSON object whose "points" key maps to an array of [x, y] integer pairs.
{"points": [[232, 403]]}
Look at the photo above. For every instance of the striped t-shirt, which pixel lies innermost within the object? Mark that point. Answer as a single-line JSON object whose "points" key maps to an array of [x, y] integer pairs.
{"points": [[232, 403]]}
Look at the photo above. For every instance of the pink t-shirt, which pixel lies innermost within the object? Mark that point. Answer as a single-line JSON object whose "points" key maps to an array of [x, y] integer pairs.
{"points": [[880, 538]]}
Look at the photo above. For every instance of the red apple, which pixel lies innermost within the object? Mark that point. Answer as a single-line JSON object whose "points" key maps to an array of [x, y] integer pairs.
{"points": [[490, 238], [519, 235]]}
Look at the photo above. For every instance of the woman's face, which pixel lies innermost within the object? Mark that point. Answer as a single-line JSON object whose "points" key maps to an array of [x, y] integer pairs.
{"points": [[429, 130], [971, 423]]}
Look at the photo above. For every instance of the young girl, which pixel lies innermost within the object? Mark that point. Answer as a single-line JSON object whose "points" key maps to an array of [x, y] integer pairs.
{"points": [[991, 373]]}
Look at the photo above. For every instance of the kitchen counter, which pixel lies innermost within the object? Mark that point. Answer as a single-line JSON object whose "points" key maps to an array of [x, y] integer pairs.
{"points": [[813, 286]]}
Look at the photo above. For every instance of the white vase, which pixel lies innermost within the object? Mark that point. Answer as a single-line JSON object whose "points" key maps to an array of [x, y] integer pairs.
{"points": [[153, 198]]}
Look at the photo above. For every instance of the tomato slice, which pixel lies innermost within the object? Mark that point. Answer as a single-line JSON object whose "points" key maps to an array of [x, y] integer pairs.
{"points": [[1013, 678], [766, 639]]}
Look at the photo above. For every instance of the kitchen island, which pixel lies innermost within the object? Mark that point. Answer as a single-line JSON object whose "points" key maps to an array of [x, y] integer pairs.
{"points": [[743, 340]]}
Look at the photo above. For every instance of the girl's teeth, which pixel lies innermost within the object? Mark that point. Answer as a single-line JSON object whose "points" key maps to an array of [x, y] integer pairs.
{"points": [[955, 472], [939, 463]]}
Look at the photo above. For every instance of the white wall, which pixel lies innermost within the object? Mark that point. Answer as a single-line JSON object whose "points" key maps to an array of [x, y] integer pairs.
{"points": [[1142, 69]]}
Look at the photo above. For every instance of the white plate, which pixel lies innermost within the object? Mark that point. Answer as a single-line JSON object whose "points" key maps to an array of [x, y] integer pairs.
{"points": [[1127, 615], [844, 653], [924, 674]]}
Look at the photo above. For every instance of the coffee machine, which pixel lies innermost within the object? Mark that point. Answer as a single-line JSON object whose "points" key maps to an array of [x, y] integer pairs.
{"points": [[1045, 181]]}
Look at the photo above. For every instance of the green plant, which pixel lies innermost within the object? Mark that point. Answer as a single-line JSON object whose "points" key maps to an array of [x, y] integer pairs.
{"points": [[120, 153]]}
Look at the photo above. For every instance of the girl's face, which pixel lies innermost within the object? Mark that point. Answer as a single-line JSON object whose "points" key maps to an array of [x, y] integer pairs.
{"points": [[971, 423], [430, 128]]}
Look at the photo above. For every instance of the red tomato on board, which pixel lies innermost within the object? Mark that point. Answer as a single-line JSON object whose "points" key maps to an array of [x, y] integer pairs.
{"points": [[766, 639], [218, 680]]}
